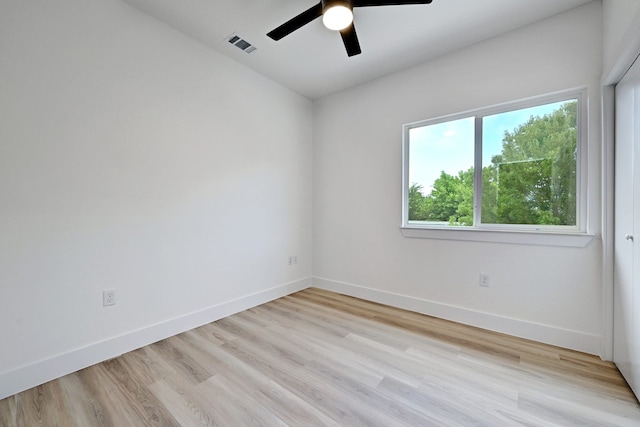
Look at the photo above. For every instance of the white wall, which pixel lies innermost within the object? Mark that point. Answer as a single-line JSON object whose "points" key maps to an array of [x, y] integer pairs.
{"points": [[621, 22], [133, 158], [550, 294]]}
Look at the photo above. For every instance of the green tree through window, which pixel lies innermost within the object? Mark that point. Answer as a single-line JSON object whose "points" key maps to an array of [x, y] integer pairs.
{"points": [[531, 181]]}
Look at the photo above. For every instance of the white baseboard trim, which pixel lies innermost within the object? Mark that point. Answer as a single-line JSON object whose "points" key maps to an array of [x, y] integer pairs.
{"points": [[33, 374], [574, 340]]}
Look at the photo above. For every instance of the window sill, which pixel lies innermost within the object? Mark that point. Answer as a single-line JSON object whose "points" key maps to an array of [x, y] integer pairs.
{"points": [[576, 240]]}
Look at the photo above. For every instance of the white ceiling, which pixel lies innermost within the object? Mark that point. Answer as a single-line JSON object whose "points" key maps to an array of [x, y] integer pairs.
{"points": [[312, 60]]}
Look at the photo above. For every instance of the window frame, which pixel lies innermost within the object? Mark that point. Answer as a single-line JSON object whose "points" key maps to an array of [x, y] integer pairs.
{"points": [[556, 235]]}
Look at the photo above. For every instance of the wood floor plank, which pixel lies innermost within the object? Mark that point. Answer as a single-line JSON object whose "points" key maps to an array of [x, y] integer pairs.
{"points": [[271, 394], [146, 366], [187, 408], [317, 358]]}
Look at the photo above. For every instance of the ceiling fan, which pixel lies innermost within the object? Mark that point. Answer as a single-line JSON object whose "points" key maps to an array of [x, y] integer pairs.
{"points": [[336, 15]]}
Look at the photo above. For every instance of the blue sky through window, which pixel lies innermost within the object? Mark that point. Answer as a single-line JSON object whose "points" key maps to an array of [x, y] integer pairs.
{"points": [[449, 146]]}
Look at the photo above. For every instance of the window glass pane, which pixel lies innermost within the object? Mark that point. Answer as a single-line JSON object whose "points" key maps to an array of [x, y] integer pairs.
{"points": [[529, 159], [441, 173]]}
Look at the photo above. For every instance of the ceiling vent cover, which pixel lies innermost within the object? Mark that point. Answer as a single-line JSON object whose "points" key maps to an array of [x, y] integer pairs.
{"points": [[241, 43]]}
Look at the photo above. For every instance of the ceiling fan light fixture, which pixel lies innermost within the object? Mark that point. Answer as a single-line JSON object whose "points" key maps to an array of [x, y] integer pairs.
{"points": [[337, 16]]}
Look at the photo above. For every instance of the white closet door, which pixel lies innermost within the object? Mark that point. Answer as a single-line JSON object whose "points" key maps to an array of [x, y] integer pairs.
{"points": [[627, 209]]}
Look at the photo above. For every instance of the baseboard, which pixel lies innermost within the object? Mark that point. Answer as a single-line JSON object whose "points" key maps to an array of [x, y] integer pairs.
{"points": [[31, 375], [565, 338]]}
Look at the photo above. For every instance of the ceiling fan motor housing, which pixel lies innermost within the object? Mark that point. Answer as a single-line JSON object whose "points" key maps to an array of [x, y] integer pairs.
{"points": [[327, 4]]}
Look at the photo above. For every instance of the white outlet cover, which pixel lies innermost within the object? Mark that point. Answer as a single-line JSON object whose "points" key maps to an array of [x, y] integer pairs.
{"points": [[485, 280], [108, 298]]}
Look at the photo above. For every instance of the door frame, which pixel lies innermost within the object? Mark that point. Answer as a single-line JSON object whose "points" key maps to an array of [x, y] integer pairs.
{"points": [[610, 78]]}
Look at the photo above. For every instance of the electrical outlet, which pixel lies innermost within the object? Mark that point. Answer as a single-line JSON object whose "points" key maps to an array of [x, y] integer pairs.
{"points": [[485, 280], [290, 261], [295, 259], [108, 297]]}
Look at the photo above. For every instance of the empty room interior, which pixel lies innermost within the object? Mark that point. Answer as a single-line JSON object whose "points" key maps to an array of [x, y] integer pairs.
{"points": [[207, 222]]}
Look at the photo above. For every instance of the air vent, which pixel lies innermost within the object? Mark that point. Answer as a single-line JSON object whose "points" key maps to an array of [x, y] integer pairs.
{"points": [[241, 43]]}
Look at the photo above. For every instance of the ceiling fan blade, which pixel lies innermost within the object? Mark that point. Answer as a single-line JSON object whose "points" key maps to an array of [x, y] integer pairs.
{"points": [[350, 40], [362, 3], [296, 22]]}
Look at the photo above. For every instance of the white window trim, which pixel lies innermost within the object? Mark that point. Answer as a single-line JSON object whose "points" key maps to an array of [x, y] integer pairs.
{"points": [[574, 236], [520, 237]]}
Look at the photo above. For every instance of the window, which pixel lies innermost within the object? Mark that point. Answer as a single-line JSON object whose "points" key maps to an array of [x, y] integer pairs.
{"points": [[513, 167]]}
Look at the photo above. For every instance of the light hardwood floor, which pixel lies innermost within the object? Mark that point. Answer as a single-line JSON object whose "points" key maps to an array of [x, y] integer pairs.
{"points": [[317, 358]]}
